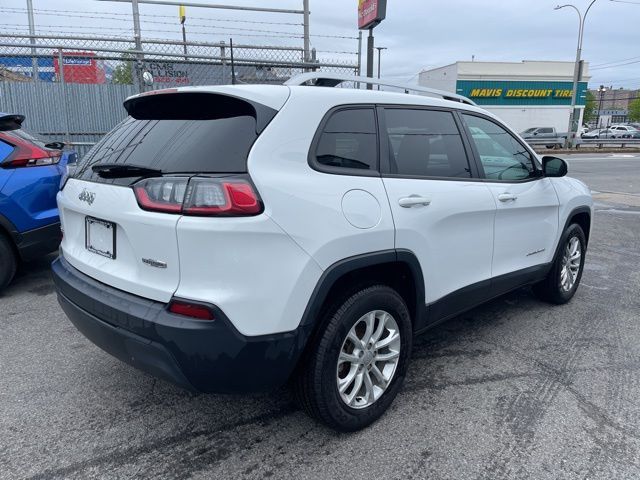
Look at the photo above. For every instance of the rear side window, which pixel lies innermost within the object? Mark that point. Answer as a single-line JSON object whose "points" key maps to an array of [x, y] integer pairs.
{"points": [[5, 150], [203, 134], [425, 143], [348, 141]]}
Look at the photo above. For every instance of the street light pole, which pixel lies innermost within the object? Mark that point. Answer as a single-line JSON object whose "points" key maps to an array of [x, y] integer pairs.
{"points": [[571, 131]]}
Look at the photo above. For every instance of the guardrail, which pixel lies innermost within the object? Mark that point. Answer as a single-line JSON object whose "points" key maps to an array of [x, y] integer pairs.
{"points": [[558, 142]]}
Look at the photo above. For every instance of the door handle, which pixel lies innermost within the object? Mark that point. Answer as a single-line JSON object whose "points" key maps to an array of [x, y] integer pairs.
{"points": [[414, 201], [507, 197]]}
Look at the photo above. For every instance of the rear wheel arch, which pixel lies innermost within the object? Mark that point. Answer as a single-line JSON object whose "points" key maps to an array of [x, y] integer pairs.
{"points": [[8, 256], [398, 269], [8, 230]]}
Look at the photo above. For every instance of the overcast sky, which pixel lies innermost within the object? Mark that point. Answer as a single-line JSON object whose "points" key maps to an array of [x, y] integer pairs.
{"points": [[418, 33]]}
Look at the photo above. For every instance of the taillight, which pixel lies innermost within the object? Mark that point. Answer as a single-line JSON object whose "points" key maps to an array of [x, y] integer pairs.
{"points": [[188, 309], [201, 196], [29, 155], [161, 194], [31, 162]]}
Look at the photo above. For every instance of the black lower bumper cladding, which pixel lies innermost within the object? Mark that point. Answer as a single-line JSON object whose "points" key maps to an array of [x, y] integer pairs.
{"points": [[199, 355]]}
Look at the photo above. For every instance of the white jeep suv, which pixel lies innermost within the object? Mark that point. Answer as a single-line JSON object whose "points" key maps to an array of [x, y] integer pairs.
{"points": [[232, 238]]}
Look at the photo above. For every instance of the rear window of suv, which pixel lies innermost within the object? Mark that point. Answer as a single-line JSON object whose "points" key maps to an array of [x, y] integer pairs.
{"points": [[180, 139], [348, 142]]}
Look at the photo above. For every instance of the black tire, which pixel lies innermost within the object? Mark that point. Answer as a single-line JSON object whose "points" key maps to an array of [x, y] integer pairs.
{"points": [[8, 262], [315, 385], [550, 289]]}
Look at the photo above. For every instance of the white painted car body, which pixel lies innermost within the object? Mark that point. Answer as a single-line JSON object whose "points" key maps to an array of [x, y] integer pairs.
{"points": [[261, 271]]}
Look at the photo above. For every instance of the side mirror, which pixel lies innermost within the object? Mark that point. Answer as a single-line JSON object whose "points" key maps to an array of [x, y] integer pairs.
{"points": [[535, 133], [554, 167]]}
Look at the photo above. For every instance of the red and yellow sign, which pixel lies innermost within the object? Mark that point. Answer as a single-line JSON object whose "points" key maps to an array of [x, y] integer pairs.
{"points": [[371, 13]]}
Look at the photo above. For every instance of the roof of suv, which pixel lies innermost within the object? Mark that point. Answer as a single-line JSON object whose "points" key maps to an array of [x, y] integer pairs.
{"points": [[274, 96]]}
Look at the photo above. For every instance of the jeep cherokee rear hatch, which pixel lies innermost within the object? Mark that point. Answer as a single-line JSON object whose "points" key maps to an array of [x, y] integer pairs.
{"points": [[180, 152]]}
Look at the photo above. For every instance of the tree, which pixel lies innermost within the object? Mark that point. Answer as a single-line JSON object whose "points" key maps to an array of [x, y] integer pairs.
{"points": [[634, 110], [123, 73], [589, 108]]}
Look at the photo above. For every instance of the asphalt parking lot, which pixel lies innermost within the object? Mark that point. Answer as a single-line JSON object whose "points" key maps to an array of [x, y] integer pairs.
{"points": [[513, 389]]}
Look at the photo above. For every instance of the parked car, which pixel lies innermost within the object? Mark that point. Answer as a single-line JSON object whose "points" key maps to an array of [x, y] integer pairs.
{"points": [[232, 238], [30, 174], [601, 133], [541, 133], [623, 131]]}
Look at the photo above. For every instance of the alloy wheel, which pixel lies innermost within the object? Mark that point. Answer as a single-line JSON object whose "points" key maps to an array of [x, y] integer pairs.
{"points": [[368, 359]]}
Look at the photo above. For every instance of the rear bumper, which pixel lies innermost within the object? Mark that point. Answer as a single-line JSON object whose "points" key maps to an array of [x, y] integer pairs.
{"points": [[207, 356]]}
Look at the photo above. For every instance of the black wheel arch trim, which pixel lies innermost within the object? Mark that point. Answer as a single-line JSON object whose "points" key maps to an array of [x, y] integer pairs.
{"points": [[568, 221], [7, 226], [333, 273]]}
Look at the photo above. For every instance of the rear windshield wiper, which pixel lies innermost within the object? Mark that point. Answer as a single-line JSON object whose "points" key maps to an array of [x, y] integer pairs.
{"points": [[117, 170]]}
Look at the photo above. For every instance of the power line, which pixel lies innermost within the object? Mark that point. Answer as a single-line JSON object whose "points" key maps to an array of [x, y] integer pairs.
{"points": [[615, 66], [615, 61]]}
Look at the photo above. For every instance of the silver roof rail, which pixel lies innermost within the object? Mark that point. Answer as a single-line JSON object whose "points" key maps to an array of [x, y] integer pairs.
{"points": [[323, 79]]}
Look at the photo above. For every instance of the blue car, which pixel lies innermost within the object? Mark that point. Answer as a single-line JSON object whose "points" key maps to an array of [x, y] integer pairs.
{"points": [[30, 175]]}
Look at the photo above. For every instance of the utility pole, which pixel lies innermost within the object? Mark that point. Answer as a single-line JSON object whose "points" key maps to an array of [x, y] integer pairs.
{"points": [[305, 21], [32, 40], [138, 43], [359, 53], [602, 89], [571, 131], [370, 47]]}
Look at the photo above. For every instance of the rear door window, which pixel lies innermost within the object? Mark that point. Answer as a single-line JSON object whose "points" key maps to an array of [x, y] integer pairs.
{"points": [[348, 142], [425, 143]]}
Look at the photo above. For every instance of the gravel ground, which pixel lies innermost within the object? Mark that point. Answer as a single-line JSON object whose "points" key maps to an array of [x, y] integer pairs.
{"points": [[514, 389]]}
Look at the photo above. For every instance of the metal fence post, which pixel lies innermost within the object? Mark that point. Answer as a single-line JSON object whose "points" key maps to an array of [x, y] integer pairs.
{"points": [[223, 54], [137, 38], [32, 40], [305, 16], [65, 104]]}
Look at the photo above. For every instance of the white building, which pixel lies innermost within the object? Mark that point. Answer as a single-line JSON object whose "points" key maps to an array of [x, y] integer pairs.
{"points": [[523, 94]]}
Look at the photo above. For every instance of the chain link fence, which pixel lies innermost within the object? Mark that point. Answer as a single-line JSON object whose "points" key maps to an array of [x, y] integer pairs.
{"points": [[72, 87]]}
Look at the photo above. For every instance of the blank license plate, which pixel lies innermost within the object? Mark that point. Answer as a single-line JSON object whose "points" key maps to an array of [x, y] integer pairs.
{"points": [[100, 237]]}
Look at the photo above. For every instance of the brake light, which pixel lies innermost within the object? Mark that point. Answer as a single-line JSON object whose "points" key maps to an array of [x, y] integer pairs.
{"points": [[161, 194], [192, 310], [27, 154], [221, 197], [200, 196], [31, 162]]}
